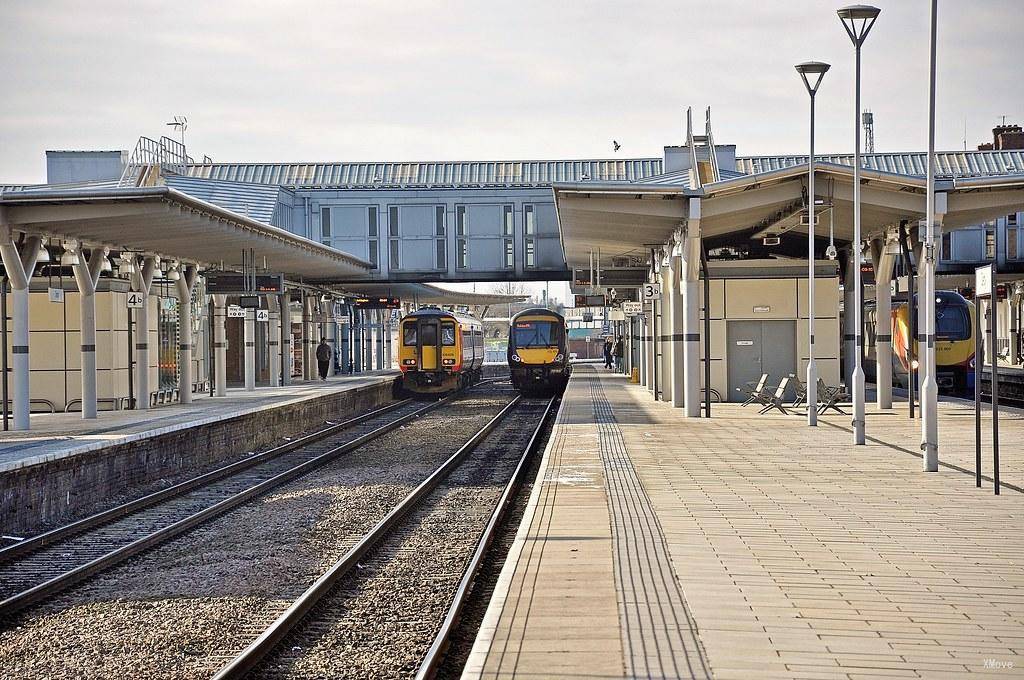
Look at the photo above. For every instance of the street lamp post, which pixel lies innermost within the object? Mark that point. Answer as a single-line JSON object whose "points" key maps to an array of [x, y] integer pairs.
{"points": [[857, 20], [929, 388], [811, 72]]}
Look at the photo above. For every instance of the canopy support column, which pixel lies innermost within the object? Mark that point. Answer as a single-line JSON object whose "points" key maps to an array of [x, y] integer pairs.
{"points": [[220, 345], [285, 301], [185, 284], [665, 338], [649, 334], [883, 260], [87, 275], [249, 338], [20, 264], [691, 309], [850, 296], [676, 306], [308, 340], [142, 282], [274, 339], [380, 339]]}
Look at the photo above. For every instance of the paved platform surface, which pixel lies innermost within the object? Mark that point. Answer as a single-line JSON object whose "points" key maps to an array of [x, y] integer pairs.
{"points": [[750, 546], [57, 435]]}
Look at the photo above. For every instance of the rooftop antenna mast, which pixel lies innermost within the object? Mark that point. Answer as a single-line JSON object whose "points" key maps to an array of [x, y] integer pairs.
{"points": [[868, 120], [180, 122]]}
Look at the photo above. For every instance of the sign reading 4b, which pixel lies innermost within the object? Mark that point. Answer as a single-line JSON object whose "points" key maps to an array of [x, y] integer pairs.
{"points": [[652, 290], [135, 300]]}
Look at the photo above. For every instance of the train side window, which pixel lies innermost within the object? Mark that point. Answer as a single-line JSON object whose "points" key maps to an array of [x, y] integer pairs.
{"points": [[448, 334], [409, 334]]}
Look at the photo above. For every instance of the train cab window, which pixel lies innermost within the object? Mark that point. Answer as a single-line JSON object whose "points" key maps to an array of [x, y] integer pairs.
{"points": [[535, 334], [409, 334], [952, 322], [448, 334]]}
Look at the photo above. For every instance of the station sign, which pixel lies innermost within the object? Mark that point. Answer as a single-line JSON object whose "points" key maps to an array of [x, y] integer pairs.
{"points": [[632, 308], [376, 302], [983, 278], [867, 274], [135, 300], [236, 312], [232, 282], [263, 315], [652, 291]]}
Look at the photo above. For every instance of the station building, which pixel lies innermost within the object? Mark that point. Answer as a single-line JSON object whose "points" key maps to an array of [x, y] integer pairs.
{"points": [[108, 224]]}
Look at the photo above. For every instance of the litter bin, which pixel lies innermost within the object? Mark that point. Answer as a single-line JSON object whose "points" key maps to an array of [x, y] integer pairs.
{"points": [[634, 377]]}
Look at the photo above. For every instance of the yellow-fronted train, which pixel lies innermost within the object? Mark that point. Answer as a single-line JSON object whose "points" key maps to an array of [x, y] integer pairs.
{"points": [[538, 354], [439, 352]]}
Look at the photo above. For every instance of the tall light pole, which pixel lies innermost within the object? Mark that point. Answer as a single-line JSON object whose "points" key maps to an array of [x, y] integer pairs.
{"points": [[811, 72], [929, 389], [857, 20]]}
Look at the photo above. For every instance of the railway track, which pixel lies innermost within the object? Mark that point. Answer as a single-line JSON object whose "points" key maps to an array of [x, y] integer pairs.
{"points": [[42, 566], [412, 571]]}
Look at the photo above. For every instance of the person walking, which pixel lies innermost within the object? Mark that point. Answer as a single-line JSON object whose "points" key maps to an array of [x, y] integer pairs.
{"points": [[323, 358], [617, 352], [607, 352]]}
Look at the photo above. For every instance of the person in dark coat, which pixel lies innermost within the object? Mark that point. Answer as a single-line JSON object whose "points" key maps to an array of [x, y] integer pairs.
{"points": [[607, 352], [323, 358], [617, 352]]}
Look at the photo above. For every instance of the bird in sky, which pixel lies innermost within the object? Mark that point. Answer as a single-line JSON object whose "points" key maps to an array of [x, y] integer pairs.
{"points": [[615, 145]]}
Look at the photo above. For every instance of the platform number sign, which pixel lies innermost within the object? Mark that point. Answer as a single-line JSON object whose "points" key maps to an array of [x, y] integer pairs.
{"points": [[652, 291], [263, 315], [135, 300]]}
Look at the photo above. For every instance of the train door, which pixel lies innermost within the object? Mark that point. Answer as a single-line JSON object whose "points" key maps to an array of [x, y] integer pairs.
{"points": [[756, 347], [428, 342]]}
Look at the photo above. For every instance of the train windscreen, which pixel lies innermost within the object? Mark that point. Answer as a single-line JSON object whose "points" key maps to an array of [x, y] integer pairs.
{"points": [[952, 323], [527, 334]]}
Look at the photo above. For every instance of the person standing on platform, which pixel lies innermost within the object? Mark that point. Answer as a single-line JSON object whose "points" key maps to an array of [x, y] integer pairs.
{"points": [[323, 358], [607, 352], [617, 353]]}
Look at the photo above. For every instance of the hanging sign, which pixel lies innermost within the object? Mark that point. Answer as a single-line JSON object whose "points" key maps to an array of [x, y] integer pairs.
{"points": [[134, 300], [983, 281], [56, 294], [263, 315], [652, 290], [632, 308], [236, 312]]}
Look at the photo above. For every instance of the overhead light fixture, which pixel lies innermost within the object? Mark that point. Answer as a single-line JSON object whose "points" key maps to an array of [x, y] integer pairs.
{"points": [[43, 256], [126, 265], [172, 274], [69, 258]]}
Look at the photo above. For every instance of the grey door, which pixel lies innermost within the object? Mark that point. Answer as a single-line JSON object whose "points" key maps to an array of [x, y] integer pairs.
{"points": [[756, 347]]}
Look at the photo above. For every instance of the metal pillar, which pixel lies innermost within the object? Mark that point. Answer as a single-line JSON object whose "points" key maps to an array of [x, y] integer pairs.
{"points": [[185, 284], [142, 281], [665, 340], [220, 345], [380, 339], [368, 329], [691, 252], [357, 340], [274, 340], [20, 265], [883, 260], [849, 301], [309, 340], [675, 306], [649, 331], [249, 339], [285, 302], [87, 275]]}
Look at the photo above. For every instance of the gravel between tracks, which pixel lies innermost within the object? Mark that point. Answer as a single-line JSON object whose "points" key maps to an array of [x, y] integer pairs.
{"points": [[183, 609], [380, 620]]}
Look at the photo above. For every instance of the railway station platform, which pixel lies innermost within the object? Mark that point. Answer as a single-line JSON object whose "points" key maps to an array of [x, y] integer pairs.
{"points": [[65, 465], [752, 546]]}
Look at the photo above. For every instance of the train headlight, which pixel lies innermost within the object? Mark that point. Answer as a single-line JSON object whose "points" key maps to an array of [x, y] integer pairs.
{"points": [[448, 362], [559, 358], [408, 362], [515, 357]]}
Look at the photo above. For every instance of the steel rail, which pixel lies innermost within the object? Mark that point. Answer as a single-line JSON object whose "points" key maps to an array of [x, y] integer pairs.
{"points": [[51, 587], [435, 654], [251, 656], [42, 540]]}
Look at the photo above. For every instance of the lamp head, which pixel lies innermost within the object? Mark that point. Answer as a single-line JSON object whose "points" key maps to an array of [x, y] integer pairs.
{"points": [[812, 72], [858, 20]]}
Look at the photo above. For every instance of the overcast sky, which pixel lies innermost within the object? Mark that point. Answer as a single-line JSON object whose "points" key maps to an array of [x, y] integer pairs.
{"points": [[307, 81]]}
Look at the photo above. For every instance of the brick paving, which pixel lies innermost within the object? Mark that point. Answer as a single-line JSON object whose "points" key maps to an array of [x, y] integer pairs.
{"points": [[797, 555]]}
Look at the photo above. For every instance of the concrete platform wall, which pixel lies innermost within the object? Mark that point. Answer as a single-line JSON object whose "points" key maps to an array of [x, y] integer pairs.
{"points": [[39, 496]]}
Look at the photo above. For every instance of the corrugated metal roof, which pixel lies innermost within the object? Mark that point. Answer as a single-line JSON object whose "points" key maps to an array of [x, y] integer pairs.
{"points": [[257, 201], [949, 163], [444, 173], [682, 177], [66, 186]]}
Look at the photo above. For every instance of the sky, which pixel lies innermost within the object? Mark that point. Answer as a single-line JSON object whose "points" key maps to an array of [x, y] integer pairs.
{"points": [[454, 80]]}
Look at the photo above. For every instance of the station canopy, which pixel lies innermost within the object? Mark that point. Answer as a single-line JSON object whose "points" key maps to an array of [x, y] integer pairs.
{"points": [[173, 225], [629, 219]]}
